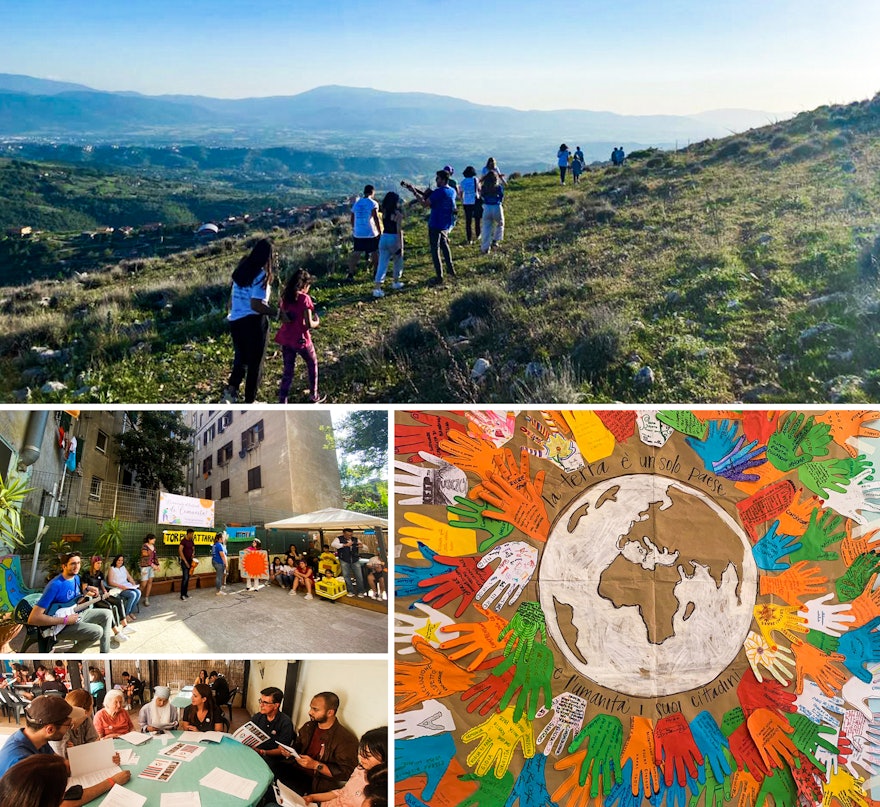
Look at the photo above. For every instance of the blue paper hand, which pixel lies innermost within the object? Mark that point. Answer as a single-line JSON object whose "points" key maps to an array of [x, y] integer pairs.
{"points": [[407, 578], [429, 756], [712, 744], [530, 789], [719, 441], [861, 647], [772, 547], [741, 458]]}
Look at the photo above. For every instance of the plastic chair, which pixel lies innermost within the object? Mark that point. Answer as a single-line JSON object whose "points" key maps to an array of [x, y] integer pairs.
{"points": [[229, 701], [32, 632]]}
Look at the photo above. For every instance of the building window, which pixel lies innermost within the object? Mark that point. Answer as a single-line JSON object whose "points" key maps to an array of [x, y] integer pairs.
{"points": [[254, 479], [224, 454], [209, 492], [210, 433], [251, 438], [101, 442], [95, 488], [224, 489], [207, 465]]}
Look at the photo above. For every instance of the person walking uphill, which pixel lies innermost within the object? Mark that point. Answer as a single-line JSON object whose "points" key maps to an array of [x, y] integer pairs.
{"points": [[442, 203], [249, 320], [295, 335], [493, 212], [562, 158]]}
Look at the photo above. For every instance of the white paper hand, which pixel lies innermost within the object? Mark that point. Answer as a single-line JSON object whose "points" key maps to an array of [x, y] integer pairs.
{"points": [[518, 562], [830, 619], [818, 706], [856, 692], [651, 431], [568, 719], [424, 485], [854, 501], [864, 734], [829, 759], [431, 717], [778, 660], [427, 625]]}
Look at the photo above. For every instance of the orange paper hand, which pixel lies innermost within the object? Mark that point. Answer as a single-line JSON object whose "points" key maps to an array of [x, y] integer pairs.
{"points": [[518, 498], [853, 546], [796, 517], [810, 660], [593, 438], [847, 424], [579, 795], [479, 637], [470, 454], [793, 584], [640, 749], [434, 677], [771, 734]]}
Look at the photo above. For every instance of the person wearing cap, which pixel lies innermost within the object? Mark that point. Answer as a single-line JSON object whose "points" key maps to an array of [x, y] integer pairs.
{"points": [[159, 714], [83, 628], [442, 219], [48, 719], [450, 181], [298, 318]]}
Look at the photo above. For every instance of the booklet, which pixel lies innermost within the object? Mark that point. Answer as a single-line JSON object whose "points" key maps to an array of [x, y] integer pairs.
{"points": [[290, 750], [229, 783], [128, 757], [251, 735], [118, 796], [160, 770], [91, 763], [183, 751], [286, 797]]}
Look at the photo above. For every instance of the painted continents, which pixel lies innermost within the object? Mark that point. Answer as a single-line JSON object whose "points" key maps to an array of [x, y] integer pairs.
{"points": [[647, 585]]}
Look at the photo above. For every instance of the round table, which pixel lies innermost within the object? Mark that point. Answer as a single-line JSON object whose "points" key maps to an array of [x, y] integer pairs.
{"points": [[229, 755], [181, 700]]}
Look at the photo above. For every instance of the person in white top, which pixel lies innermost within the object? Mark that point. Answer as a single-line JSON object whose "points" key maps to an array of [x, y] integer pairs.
{"points": [[469, 193], [118, 577], [248, 320], [365, 231]]}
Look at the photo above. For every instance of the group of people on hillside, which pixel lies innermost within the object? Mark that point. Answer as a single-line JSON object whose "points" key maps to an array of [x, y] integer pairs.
{"points": [[329, 765], [568, 160], [377, 228]]}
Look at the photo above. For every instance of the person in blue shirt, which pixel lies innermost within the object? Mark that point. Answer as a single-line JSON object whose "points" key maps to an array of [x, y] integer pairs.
{"points": [[442, 203], [84, 628], [219, 562]]}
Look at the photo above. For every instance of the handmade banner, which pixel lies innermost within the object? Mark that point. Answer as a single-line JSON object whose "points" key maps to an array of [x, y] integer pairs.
{"points": [[185, 510], [615, 607]]}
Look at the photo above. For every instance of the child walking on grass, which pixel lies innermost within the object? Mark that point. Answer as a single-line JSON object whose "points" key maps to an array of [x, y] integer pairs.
{"points": [[295, 335]]}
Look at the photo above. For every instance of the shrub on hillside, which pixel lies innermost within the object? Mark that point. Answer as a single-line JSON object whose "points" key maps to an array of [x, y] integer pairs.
{"points": [[600, 342], [483, 301]]}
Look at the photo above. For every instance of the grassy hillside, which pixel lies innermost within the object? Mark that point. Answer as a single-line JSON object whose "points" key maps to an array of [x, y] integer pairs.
{"points": [[738, 269]]}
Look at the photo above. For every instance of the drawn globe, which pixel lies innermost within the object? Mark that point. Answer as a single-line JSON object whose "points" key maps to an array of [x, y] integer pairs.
{"points": [[647, 585]]}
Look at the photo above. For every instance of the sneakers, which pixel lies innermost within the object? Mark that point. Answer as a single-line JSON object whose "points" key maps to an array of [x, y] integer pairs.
{"points": [[128, 629], [229, 395], [145, 603], [292, 593], [371, 594], [362, 594], [435, 281], [308, 596], [384, 595], [121, 637], [220, 594], [397, 285], [378, 293]]}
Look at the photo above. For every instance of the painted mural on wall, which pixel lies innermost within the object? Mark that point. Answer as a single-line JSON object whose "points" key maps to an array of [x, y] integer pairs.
{"points": [[631, 606]]}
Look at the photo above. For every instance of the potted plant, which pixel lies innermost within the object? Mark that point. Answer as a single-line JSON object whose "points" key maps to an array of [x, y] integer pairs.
{"points": [[109, 543], [57, 548], [13, 492]]}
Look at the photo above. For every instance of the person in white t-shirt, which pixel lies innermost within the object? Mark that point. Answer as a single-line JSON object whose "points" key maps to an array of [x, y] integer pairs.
{"points": [[365, 231], [249, 320]]}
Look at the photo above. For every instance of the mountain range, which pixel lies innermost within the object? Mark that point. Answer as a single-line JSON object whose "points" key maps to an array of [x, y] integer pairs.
{"points": [[343, 118]]}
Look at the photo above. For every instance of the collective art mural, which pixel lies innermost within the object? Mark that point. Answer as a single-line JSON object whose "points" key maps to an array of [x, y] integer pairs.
{"points": [[637, 606]]}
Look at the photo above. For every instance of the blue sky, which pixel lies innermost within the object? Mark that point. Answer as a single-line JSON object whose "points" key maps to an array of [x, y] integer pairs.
{"points": [[640, 56]]}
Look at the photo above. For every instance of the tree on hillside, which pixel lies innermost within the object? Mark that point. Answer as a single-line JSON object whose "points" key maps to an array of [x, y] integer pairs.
{"points": [[363, 436], [361, 491], [157, 448]]}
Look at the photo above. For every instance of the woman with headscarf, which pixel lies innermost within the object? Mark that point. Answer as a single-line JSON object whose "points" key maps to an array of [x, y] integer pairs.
{"points": [[159, 714], [249, 314]]}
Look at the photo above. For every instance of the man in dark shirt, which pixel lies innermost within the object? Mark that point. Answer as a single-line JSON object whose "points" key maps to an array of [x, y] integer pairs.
{"points": [[277, 725], [349, 559], [186, 552], [219, 684], [328, 750]]}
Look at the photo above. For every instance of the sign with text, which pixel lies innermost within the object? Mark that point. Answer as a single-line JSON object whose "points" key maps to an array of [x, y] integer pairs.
{"points": [[241, 533], [185, 510], [200, 537]]}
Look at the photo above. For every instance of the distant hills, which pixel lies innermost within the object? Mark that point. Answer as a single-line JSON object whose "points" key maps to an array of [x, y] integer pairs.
{"points": [[347, 119]]}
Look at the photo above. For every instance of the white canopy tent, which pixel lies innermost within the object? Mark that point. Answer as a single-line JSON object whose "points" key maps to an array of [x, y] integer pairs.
{"points": [[334, 518]]}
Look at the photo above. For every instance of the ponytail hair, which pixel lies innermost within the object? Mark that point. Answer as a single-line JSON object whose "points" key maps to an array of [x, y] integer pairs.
{"points": [[253, 263]]}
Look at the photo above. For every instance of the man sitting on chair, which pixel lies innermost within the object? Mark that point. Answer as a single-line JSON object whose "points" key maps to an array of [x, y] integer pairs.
{"points": [[63, 592]]}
